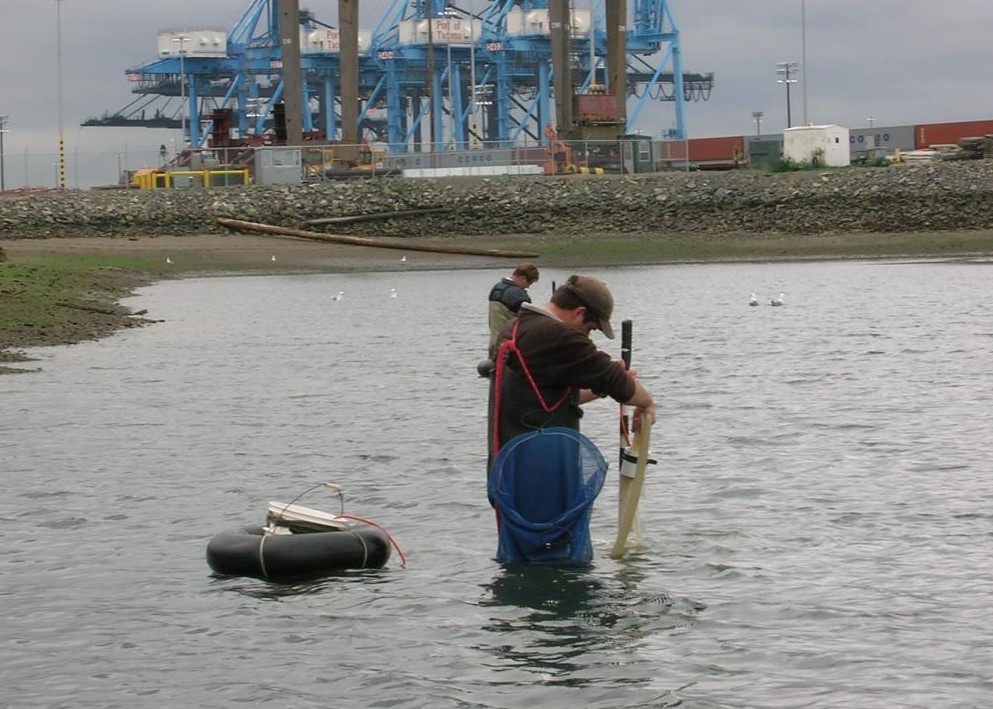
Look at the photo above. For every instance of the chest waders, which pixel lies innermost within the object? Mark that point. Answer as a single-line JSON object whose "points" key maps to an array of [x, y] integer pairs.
{"points": [[544, 477]]}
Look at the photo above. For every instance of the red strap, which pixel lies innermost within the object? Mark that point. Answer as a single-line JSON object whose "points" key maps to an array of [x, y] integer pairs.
{"points": [[510, 345]]}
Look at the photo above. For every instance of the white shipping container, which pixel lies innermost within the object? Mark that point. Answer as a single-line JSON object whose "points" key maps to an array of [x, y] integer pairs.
{"points": [[328, 41], [195, 42], [537, 22], [455, 31]]}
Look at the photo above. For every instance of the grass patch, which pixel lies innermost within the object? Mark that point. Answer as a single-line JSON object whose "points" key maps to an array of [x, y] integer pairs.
{"points": [[48, 300]]}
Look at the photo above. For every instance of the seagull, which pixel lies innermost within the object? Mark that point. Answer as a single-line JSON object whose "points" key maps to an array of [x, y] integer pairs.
{"points": [[753, 300], [403, 259], [168, 260], [273, 257], [339, 295], [393, 293], [777, 301]]}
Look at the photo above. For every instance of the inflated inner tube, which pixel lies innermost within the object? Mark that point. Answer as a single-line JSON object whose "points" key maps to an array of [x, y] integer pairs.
{"points": [[252, 552]]}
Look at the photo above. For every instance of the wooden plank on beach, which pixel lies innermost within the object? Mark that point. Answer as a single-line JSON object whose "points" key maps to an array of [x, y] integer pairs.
{"points": [[402, 245]]}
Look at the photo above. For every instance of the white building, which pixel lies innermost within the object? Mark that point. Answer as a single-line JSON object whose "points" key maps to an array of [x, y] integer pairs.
{"points": [[821, 145]]}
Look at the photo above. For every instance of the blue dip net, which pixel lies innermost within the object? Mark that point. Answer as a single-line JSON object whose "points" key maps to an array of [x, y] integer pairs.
{"points": [[543, 485]]}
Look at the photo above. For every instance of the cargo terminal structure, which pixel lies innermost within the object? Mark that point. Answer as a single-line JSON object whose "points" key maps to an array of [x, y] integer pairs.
{"points": [[429, 76]]}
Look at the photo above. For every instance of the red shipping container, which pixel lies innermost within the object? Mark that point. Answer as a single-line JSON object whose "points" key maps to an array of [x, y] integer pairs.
{"points": [[703, 150], [596, 107], [928, 134]]}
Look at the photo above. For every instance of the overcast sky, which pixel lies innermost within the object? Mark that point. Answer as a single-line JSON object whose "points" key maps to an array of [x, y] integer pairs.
{"points": [[900, 62]]}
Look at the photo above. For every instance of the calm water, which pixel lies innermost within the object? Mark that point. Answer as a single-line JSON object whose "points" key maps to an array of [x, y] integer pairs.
{"points": [[818, 530]]}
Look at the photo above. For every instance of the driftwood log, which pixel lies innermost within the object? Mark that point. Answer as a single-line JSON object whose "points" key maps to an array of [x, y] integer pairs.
{"points": [[402, 245], [375, 216]]}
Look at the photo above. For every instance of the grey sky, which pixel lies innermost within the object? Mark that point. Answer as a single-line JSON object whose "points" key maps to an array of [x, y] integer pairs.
{"points": [[898, 61]]}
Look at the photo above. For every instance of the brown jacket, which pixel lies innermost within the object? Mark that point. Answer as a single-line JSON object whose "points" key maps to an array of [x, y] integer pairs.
{"points": [[559, 358]]}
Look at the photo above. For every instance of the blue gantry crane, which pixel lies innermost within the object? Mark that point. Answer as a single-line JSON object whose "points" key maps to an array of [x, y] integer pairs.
{"points": [[431, 74]]}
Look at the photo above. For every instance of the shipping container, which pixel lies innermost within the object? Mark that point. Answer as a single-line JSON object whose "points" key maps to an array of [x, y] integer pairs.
{"points": [[864, 141], [928, 134], [762, 151], [725, 150], [193, 43], [596, 108], [671, 155]]}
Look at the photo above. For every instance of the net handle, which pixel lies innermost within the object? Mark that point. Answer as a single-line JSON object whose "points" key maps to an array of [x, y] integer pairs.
{"points": [[630, 493]]}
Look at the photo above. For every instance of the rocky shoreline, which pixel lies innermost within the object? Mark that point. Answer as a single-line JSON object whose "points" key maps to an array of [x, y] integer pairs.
{"points": [[936, 197]]}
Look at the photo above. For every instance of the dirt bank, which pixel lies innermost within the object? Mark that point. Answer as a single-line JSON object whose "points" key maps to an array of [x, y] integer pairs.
{"points": [[60, 291]]}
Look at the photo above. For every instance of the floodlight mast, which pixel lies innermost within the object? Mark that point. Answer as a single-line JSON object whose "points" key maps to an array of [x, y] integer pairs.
{"points": [[787, 70]]}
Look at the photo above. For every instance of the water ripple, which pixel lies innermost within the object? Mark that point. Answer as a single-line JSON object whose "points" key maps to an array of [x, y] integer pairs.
{"points": [[816, 531]]}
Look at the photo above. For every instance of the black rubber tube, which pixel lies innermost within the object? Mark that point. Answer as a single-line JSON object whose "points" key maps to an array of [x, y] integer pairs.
{"points": [[295, 557]]}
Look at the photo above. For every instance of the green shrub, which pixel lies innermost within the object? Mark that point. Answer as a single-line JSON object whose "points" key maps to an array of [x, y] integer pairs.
{"points": [[784, 165]]}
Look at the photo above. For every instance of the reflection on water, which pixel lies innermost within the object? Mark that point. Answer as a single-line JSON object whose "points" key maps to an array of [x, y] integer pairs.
{"points": [[563, 627], [560, 617], [557, 592], [819, 510]]}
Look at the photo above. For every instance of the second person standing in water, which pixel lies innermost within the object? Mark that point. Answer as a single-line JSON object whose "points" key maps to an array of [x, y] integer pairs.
{"points": [[506, 298]]}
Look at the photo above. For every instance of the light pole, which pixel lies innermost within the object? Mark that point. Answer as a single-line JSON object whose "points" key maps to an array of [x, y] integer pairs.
{"points": [[871, 121], [757, 115], [3, 129], [181, 42], [786, 70], [472, 73], [803, 57], [61, 180]]}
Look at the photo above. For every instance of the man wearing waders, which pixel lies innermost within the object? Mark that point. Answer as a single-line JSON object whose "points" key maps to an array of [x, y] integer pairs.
{"points": [[506, 298], [546, 366]]}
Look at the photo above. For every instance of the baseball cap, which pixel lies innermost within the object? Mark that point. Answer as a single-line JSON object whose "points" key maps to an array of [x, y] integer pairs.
{"points": [[597, 298]]}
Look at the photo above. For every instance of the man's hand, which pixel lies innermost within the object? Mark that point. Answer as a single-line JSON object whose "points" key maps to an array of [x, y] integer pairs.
{"points": [[639, 410]]}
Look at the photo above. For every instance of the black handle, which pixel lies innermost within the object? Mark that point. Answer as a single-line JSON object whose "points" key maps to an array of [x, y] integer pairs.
{"points": [[626, 335], [626, 327]]}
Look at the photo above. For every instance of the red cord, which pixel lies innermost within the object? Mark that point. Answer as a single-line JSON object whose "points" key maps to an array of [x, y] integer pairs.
{"points": [[625, 434], [403, 559], [510, 345]]}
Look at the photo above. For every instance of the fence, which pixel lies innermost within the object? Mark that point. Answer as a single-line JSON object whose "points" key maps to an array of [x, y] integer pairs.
{"points": [[85, 170], [33, 170]]}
